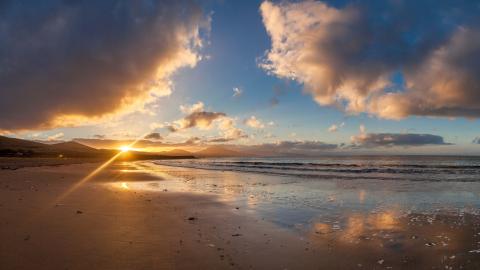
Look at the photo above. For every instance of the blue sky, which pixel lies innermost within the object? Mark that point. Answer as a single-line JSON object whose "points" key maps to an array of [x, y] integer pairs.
{"points": [[234, 45]]}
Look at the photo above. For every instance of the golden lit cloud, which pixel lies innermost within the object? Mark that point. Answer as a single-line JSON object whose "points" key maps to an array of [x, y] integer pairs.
{"points": [[198, 118], [253, 122], [80, 66], [344, 59], [55, 137]]}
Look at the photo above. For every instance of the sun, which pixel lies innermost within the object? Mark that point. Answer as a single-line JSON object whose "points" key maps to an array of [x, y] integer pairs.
{"points": [[125, 148]]}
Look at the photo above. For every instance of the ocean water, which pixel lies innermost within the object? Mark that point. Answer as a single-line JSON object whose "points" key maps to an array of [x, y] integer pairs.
{"points": [[418, 206], [409, 168], [297, 191]]}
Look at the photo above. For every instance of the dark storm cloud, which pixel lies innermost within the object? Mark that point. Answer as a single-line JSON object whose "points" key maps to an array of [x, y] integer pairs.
{"points": [[67, 61], [346, 55], [393, 139]]}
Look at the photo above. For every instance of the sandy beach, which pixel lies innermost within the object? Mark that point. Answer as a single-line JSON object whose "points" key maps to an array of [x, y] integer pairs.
{"points": [[97, 227], [268, 134], [131, 216]]}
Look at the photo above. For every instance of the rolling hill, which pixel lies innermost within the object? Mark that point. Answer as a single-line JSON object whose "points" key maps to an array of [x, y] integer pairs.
{"points": [[13, 147], [25, 148]]}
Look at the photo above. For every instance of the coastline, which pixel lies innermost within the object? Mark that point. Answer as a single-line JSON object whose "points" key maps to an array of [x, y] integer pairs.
{"points": [[101, 228], [107, 225]]}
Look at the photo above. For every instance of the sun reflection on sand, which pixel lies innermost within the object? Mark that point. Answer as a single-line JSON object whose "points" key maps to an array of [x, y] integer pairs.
{"points": [[358, 225], [355, 227], [86, 178], [384, 221], [321, 228], [123, 151], [124, 185]]}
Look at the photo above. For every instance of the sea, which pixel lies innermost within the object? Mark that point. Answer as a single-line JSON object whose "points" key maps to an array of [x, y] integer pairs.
{"points": [[297, 192], [397, 208], [400, 168]]}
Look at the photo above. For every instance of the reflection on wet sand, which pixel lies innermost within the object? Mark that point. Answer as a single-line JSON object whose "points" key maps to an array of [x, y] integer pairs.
{"points": [[124, 185], [402, 240], [361, 196], [375, 226]]}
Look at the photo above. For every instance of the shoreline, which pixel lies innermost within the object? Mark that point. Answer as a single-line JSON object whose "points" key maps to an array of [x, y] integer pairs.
{"points": [[103, 225], [100, 228]]}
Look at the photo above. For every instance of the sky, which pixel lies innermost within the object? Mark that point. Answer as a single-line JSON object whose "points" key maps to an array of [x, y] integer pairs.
{"points": [[284, 76]]}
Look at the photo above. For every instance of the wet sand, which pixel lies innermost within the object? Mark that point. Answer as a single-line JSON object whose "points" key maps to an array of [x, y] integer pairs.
{"points": [[132, 218]]}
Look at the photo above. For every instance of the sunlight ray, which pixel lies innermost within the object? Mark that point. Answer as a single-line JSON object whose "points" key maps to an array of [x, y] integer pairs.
{"points": [[75, 186]]}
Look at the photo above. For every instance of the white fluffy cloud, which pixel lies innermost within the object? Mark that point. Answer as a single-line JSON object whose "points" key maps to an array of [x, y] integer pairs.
{"points": [[198, 117], [335, 127], [197, 107], [254, 122], [346, 55]]}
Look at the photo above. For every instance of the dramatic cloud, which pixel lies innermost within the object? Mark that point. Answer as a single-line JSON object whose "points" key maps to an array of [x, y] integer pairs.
{"points": [[253, 122], [393, 139], [68, 61], [197, 117], [476, 140], [202, 120], [154, 136], [346, 56]]}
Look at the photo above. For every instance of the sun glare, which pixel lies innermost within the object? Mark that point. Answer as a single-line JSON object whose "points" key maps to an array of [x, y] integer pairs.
{"points": [[125, 148]]}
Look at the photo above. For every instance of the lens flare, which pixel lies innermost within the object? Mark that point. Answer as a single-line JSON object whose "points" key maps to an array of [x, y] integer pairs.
{"points": [[75, 186], [125, 148]]}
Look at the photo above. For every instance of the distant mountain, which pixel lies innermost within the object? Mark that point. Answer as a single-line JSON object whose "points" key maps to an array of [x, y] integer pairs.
{"points": [[219, 151], [7, 142], [73, 146], [18, 147], [176, 152], [12, 147]]}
